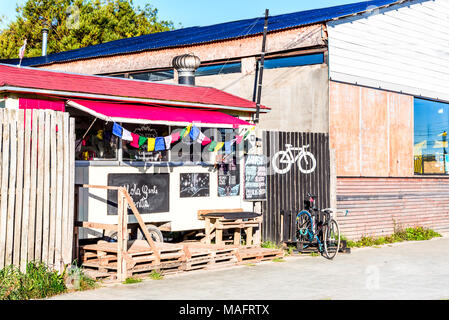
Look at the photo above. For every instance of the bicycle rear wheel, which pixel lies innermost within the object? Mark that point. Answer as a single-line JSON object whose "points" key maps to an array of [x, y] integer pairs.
{"points": [[331, 239], [303, 227]]}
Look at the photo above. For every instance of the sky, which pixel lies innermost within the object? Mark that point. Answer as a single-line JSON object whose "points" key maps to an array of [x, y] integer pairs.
{"points": [[206, 12]]}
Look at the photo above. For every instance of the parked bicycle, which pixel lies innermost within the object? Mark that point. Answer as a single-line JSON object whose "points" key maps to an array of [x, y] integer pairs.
{"points": [[315, 227], [282, 161]]}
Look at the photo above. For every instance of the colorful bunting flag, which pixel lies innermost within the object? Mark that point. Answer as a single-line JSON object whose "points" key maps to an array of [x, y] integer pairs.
{"points": [[135, 141], [186, 131], [206, 141], [168, 140], [126, 135], [194, 133], [175, 136], [151, 143], [142, 141], [227, 146], [159, 144], [212, 146], [117, 130], [219, 146], [238, 139], [164, 143]]}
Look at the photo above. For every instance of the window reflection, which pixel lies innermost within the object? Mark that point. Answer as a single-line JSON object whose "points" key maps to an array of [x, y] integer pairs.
{"points": [[431, 125]]}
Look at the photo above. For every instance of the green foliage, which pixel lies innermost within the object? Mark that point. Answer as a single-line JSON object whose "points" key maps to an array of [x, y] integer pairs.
{"points": [[278, 260], [314, 254], [38, 282], [289, 250], [400, 235], [269, 245], [132, 280], [74, 24], [156, 275], [79, 281]]}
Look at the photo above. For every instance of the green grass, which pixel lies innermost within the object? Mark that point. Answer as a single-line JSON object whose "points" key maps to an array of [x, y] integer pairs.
{"points": [[278, 260], [407, 234], [156, 275], [314, 254]]}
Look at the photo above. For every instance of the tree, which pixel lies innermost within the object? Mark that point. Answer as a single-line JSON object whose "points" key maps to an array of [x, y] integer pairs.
{"points": [[74, 24]]}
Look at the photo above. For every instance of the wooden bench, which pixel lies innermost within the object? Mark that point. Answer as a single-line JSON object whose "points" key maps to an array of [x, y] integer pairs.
{"points": [[222, 219]]}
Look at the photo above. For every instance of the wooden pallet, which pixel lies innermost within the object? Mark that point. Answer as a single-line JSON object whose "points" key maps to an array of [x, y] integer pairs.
{"points": [[209, 256], [100, 260], [102, 257], [255, 254]]}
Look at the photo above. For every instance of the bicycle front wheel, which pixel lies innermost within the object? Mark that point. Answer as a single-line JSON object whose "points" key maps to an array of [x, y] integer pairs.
{"points": [[331, 239]]}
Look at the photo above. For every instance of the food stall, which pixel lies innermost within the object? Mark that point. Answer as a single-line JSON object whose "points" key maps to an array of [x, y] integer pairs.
{"points": [[176, 149]]}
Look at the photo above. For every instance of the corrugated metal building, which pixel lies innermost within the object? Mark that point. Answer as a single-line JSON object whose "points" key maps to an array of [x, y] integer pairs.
{"points": [[374, 75]]}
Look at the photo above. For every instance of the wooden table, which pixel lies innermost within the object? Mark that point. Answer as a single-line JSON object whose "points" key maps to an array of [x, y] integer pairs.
{"points": [[217, 221]]}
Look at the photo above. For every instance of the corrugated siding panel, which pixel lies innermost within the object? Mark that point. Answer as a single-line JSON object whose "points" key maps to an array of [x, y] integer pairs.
{"points": [[402, 48], [286, 192], [376, 204]]}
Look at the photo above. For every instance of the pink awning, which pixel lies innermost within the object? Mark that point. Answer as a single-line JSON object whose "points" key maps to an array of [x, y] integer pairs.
{"points": [[127, 113], [57, 105]]}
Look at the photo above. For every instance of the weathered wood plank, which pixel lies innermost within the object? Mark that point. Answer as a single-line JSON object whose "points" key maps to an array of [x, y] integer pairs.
{"points": [[4, 187], [53, 188], [59, 189], [46, 191], [66, 247], [18, 214], [11, 188], [33, 185], [26, 191], [72, 216], [40, 186]]}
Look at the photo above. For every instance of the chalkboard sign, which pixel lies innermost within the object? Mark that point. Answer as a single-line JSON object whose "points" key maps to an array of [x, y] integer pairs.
{"points": [[150, 192], [194, 185], [228, 179], [255, 185]]}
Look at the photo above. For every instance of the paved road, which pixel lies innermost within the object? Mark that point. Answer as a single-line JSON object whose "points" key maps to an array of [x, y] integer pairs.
{"points": [[413, 270]]}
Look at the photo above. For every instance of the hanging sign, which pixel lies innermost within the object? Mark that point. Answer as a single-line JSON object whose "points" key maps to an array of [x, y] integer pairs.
{"points": [[255, 175]]}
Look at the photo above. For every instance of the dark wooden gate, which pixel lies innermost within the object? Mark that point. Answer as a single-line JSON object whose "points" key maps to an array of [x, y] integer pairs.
{"points": [[286, 192]]}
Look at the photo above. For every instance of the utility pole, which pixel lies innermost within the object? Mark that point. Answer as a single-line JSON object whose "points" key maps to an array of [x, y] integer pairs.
{"points": [[262, 60]]}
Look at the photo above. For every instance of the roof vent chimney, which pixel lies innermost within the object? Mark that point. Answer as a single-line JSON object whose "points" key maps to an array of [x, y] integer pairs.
{"points": [[186, 66], [44, 41]]}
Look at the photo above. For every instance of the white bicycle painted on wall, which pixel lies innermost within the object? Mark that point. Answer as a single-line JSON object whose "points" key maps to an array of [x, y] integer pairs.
{"points": [[282, 161]]}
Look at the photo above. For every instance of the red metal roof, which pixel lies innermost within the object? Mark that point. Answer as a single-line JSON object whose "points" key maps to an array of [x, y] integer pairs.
{"points": [[68, 84], [119, 112]]}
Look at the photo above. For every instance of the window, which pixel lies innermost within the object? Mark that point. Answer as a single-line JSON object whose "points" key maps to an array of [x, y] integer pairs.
{"points": [[294, 61], [131, 153], [431, 125], [159, 75], [153, 75], [215, 69], [94, 139]]}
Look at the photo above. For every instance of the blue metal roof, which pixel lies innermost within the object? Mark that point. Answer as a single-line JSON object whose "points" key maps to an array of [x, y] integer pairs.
{"points": [[196, 35]]}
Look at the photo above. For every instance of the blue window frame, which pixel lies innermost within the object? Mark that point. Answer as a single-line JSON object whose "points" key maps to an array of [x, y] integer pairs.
{"points": [[153, 75], [235, 67], [294, 61], [430, 146]]}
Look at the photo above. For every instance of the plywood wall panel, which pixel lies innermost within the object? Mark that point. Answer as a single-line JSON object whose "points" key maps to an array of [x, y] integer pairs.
{"points": [[344, 127], [371, 131], [374, 132]]}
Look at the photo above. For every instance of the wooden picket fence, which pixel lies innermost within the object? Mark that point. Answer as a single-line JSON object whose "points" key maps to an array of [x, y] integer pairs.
{"points": [[37, 172]]}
